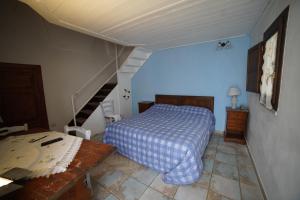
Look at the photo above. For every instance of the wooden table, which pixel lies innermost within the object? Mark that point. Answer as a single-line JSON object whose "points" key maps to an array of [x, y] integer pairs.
{"points": [[69, 184]]}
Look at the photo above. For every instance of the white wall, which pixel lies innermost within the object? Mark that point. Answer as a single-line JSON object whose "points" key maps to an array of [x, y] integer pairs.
{"points": [[124, 81], [274, 141], [68, 59]]}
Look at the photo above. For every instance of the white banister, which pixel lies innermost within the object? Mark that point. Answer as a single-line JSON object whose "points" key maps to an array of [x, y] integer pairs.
{"points": [[74, 111], [117, 68], [98, 88], [93, 78]]}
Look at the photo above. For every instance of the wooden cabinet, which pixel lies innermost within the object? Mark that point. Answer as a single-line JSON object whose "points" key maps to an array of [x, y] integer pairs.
{"points": [[236, 125], [254, 67], [22, 96], [144, 105]]}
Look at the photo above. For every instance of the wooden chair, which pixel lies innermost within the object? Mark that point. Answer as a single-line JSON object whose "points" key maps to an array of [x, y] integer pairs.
{"points": [[11, 129], [86, 133]]}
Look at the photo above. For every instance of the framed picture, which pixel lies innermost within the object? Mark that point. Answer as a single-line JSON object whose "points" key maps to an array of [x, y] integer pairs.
{"points": [[274, 38]]}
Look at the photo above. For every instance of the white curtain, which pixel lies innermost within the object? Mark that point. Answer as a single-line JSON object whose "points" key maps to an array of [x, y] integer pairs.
{"points": [[268, 68]]}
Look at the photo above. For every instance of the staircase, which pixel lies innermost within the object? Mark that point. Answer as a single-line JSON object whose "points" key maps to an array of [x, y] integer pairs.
{"points": [[92, 104], [134, 60], [131, 65]]}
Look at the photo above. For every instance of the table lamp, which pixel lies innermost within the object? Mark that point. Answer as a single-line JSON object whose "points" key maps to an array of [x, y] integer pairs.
{"points": [[234, 92]]}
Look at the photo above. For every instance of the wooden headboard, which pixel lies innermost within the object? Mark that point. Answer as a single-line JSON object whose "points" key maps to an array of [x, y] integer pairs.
{"points": [[201, 101]]}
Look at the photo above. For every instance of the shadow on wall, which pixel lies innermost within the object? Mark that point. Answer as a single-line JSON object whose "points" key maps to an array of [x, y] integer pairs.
{"points": [[68, 58]]}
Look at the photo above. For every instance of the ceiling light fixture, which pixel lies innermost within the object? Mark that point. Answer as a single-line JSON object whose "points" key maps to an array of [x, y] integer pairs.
{"points": [[224, 45]]}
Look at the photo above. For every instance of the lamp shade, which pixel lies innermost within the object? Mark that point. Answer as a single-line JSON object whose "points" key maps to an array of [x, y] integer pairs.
{"points": [[234, 91]]}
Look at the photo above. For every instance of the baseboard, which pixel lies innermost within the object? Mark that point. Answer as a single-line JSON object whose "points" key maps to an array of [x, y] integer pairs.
{"points": [[256, 172], [218, 132]]}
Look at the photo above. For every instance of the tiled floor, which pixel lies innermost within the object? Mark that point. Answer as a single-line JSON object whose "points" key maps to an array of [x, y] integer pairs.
{"points": [[228, 174]]}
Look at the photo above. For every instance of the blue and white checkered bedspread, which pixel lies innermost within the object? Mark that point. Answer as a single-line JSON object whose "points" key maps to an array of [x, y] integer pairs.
{"points": [[167, 138]]}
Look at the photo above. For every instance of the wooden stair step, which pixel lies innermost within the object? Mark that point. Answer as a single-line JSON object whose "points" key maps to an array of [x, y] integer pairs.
{"points": [[141, 58], [87, 111], [89, 108], [106, 89], [109, 86], [71, 123], [103, 93], [101, 97], [80, 121], [93, 103]]}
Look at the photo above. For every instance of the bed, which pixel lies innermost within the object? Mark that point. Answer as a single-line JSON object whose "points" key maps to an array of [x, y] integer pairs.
{"points": [[169, 137]]}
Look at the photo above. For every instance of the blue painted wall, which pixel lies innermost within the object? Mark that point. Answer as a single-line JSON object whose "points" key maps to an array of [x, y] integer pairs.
{"points": [[195, 70]]}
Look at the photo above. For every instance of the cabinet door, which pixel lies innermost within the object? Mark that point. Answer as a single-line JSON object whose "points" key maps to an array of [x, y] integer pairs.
{"points": [[254, 67], [22, 96]]}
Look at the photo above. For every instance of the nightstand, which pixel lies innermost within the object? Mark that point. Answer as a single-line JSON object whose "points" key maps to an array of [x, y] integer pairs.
{"points": [[144, 105], [236, 125]]}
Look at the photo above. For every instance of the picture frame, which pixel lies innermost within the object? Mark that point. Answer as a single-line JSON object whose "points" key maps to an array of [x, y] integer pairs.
{"points": [[276, 30]]}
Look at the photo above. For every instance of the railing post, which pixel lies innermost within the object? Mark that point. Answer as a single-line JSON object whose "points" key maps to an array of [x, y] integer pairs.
{"points": [[74, 110], [117, 69], [117, 62]]}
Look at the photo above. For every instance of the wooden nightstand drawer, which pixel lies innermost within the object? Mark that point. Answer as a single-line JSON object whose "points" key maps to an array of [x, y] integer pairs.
{"points": [[237, 120], [234, 115], [236, 125]]}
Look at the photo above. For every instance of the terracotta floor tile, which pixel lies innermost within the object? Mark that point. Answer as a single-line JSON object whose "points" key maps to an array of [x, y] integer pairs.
{"points": [[226, 170], [215, 196], [131, 189], [250, 192], [226, 187], [151, 194], [167, 189], [192, 192], [145, 175]]}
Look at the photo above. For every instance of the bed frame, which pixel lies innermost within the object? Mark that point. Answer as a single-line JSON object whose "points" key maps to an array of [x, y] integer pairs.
{"points": [[201, 101]]}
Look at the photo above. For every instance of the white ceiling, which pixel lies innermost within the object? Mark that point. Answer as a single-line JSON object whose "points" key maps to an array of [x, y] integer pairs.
{"points": [[155, 24]]}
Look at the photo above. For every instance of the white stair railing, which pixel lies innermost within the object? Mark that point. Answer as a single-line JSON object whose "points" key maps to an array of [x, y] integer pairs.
{"points": [[93, 85]]}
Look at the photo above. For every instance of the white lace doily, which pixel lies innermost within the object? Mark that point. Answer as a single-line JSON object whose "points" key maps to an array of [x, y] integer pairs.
{"points": [[17, 151]]}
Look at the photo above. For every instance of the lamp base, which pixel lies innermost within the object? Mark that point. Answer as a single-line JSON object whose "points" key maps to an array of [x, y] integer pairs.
{"points": [[233, 102]]}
